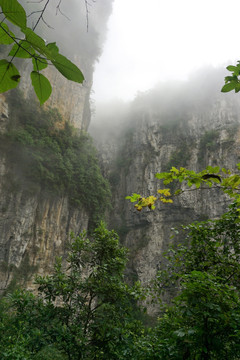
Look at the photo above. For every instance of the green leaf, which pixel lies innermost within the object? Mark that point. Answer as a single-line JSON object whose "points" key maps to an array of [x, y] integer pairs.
{"points": [[36, 41], [180, 332], [41, 85], [52, 47], [213, 170], [198, 184], [14, 12], [63, 65], [67, 68], [237, 88], [228, 78], [162, 175], [234, 69], [228, 87], [9, 76], [5, 39], [177, 192], [225, 171], [39, 63], [134, 197], [23, 51], [175, 170]]}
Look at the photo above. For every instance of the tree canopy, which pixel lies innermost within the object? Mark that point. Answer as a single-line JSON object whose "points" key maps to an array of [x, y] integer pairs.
{"points": [[83, 310], [86, 310]]}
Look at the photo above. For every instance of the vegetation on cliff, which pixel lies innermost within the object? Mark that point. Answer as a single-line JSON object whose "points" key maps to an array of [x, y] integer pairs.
{"points": [[47, 152], [83, 311], [203, 271], [87, 311]]}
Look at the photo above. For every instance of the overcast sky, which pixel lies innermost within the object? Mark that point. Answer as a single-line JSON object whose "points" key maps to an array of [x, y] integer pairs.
{"points": [[159, 40]]}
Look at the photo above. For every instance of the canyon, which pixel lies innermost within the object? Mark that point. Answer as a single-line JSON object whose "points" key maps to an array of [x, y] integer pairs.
{"points": [[185, 125]]}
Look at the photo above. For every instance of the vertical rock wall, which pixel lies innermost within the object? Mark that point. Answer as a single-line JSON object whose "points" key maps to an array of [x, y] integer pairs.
{"points": [[35, 226], [153, 140]]}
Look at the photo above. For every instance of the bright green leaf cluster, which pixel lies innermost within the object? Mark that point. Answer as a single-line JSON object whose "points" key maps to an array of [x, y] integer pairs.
{"points": [[232, 82], [142, 201], [31, 46], [165, 193], [211, 177]]}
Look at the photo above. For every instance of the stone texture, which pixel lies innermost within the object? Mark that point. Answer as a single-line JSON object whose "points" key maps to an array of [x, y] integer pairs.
{"points": [[71, 99], [150, 143], [34, 228]]}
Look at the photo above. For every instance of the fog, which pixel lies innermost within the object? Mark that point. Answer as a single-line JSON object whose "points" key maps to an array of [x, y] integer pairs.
{"points": [[163, 56], [155, 40], [166, 101], [77, 30]]}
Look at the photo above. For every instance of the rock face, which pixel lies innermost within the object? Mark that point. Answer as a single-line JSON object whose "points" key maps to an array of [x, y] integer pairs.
{"points": [[166, 127], [79, 31], [34, 226], [70, 99], [34, 230], [156, 137]]}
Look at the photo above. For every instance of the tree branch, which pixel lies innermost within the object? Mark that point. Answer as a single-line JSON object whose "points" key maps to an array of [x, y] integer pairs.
{"points": [[41, 16], [58, 9]]}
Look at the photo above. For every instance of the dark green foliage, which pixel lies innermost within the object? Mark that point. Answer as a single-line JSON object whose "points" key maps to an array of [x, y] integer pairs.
{"points": [[203, 322], [48, 152], [204, 319], [83, 311], [49, 353], [212, 246]]}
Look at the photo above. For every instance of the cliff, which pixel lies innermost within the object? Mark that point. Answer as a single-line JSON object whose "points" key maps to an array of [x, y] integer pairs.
{"points": [[36, 220], [176, 126], [182, 125]]}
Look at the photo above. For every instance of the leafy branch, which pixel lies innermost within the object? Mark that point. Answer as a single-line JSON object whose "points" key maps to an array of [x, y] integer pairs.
{"points": [[31, 46], [211, 177], [232, 82]]}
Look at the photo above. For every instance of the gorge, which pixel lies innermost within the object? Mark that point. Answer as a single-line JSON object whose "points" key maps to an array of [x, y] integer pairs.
{"points": [[178, 125]]}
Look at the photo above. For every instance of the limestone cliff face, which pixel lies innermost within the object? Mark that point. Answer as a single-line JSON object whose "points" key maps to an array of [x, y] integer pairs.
{"points": [[79, 31], [35, 226], [70, 99], [154, 140]]}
